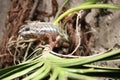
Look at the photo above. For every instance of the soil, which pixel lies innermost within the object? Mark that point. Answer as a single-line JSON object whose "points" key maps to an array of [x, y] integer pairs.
{"points": [[105, 26]]}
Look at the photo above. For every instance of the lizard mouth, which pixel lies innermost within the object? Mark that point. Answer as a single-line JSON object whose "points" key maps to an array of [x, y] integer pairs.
{"points": [[27, 34]]}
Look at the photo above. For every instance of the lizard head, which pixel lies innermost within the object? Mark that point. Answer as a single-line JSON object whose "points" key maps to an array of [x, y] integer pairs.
{"points": [[29, 30]]}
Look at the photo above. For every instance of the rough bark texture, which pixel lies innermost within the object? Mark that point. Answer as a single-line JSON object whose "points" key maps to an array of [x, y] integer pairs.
{"points": [[5, 59]]}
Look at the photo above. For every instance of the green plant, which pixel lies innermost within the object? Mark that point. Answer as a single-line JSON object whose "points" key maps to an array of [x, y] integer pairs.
{"points": [[60, 68], [52, 67]]}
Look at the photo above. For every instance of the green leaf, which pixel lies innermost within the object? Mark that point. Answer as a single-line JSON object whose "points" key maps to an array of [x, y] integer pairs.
{"points": [[36, 73], [20, 71], [43, 74], [11, 70], [82, 61], [79, 76], [55, 74]]}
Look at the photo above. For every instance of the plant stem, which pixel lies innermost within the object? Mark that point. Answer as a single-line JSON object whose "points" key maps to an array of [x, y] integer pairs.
{"points": [[60, 9], [84, 7]]}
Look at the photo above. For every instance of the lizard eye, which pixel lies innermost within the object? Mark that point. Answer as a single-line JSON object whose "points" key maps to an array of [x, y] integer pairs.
{"points": [[27, 29]]}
